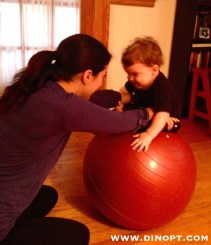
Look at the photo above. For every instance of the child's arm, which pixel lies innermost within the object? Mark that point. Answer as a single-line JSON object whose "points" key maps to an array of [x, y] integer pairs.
{"points": [[126, 96], [125, 99], [171, 123], [144, 139]]}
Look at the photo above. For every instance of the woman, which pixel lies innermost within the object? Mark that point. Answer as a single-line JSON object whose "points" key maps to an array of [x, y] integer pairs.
{"points": [[46, 102]]}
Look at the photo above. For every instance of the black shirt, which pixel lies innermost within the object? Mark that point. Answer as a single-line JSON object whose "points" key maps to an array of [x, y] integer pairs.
{"points": [[161, 96]]}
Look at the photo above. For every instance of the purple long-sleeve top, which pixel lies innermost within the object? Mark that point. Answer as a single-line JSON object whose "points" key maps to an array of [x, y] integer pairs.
{"points": [[32, 140]]}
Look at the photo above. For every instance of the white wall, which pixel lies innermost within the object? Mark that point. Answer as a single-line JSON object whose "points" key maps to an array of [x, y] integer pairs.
{"points": [[128, 22]]}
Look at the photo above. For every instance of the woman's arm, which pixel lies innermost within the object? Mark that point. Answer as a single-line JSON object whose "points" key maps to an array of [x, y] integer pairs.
{"points": [[81, 115], [106, 98]]}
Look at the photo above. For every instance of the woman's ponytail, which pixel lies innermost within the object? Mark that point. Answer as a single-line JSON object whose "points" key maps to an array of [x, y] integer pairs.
{"points": [[39, 70], [74, 54]]}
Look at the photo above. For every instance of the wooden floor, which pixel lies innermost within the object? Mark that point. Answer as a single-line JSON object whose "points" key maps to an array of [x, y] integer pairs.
{"points": [[74, 203]]}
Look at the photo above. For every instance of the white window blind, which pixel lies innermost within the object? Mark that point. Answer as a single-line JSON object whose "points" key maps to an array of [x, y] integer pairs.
{"points": [[28, 26]]}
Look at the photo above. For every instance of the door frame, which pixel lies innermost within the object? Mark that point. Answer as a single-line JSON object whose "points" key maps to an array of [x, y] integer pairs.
{"points": [[94, 16]]}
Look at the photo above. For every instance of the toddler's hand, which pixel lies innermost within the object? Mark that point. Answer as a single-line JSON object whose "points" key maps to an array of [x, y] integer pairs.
{"points": [[170, 123], [119, 107], [142, 141]]}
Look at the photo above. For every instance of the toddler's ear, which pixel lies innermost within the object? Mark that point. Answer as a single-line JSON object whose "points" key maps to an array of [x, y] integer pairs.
{"points": [[155, 69]]}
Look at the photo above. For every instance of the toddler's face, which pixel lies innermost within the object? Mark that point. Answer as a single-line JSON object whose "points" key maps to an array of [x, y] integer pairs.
{"points": [[140, 75]]}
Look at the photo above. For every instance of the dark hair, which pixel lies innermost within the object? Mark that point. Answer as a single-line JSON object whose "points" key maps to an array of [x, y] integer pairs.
{"points": [[74, 54]]}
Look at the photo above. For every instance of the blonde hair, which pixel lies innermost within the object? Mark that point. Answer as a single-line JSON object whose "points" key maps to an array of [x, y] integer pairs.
{"points": [[142, 50]]}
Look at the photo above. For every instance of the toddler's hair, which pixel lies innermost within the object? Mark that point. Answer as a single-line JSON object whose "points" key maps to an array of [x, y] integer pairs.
{"points": [[142, 50]]}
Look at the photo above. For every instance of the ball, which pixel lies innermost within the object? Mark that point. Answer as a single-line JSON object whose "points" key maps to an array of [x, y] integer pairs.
{"points": [[139, 190]]}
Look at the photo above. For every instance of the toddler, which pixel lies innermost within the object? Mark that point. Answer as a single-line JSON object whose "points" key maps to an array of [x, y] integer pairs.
{"points": [[148, 87]]}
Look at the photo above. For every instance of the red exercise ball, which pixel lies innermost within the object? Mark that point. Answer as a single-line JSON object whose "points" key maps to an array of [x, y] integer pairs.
{"points": [[139, 190]]}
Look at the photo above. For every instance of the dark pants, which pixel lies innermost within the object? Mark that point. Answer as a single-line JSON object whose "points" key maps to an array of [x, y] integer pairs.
{"points": [[33, 228]]}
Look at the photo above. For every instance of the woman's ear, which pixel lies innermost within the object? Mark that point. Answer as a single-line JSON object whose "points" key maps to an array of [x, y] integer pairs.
{"points": [[87, 76]]}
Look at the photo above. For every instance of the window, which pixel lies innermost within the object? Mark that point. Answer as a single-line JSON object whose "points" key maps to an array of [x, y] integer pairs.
{"points": [[29, 26]]}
